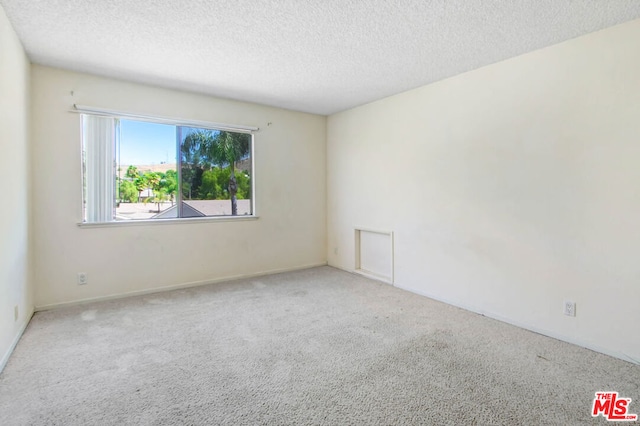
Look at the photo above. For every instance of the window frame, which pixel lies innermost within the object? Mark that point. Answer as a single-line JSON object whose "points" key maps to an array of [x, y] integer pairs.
{"points": [[177, 122]]}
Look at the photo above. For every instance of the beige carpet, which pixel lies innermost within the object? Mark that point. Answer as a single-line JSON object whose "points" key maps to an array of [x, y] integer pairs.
{"points": [[313, 347]]}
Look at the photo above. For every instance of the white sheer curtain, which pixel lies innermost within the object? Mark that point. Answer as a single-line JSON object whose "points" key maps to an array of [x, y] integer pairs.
{"points": [[99, 141]]}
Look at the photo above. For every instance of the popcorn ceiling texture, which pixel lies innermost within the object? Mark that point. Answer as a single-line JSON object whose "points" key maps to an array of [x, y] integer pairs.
{"points": [[319, 56]]}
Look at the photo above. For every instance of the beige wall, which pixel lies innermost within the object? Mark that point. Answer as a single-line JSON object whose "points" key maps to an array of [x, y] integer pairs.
{"points": [[15, 275], [509, 189], [290, 196]]}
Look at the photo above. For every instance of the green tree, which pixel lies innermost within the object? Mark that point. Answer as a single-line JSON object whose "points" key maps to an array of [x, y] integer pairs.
{"points": [[161, 185], [169, 184], [159, 196], [127, 191], [209, 166], [132, 172], [225, 150], [153, 180], [244, 185], [210, 188], [193, 151], [141, 184]]}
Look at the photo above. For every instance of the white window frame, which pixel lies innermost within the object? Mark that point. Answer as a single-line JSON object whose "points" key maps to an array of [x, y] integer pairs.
{"points": [[178, 122]]}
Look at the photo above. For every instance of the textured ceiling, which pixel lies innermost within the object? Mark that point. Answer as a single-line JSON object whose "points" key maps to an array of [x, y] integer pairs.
{"points": [[319, 56]]}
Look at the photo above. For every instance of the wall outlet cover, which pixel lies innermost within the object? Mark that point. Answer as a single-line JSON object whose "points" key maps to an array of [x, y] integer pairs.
{"points": [[570, 308], [82, 278]]}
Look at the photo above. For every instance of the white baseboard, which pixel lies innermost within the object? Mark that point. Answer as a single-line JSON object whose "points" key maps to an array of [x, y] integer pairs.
{"points": [[7, 354], [174, 287], [373, 276], [544, 332], [569, 339], [366, 274]]}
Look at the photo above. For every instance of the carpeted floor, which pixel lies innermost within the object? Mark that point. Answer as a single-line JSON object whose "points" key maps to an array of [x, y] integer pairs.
{"points": [[313, 347]]}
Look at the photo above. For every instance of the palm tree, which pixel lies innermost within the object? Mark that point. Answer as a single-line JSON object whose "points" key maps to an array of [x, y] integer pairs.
{"points": [[141, 184], [193, 150], [158, 197], [204, 149], [226, 149]]}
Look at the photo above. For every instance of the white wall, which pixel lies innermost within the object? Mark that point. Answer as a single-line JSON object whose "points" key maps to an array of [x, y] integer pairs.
{"points": [[15, 276], [290, 175], [509, 189]]}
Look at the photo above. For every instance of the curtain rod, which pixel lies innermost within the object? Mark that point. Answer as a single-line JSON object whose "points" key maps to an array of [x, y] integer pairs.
{"points": [[164, 120]]}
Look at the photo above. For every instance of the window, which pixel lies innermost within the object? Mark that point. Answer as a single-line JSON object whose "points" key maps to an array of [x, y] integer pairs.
{"points": [[141, 169]]}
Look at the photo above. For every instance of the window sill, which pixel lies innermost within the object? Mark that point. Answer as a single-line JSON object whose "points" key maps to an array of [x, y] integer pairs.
{"points": [[145, 222]]}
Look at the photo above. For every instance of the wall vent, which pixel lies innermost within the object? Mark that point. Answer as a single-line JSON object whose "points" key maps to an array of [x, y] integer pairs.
{"points": [[374, 254]]}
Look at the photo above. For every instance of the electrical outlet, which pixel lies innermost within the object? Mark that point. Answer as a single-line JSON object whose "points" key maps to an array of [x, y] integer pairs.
{"points": [[16, 313], [570, 309], [82, 278]]}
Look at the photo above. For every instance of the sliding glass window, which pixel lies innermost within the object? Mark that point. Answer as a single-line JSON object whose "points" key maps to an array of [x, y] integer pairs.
{"points": [[145, 170]]}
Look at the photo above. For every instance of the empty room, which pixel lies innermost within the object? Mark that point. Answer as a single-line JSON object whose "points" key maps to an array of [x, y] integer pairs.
{"points": [[319, 212]]}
